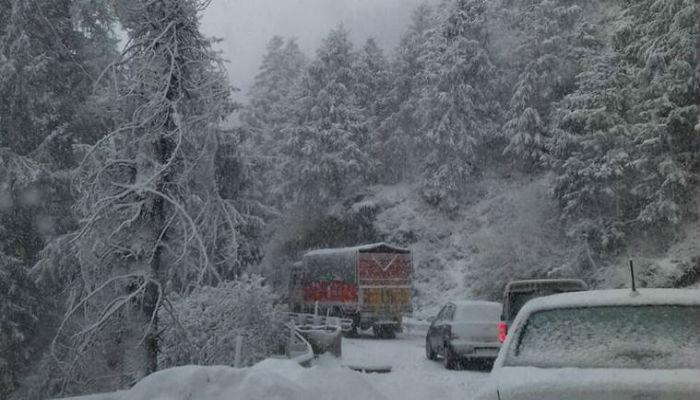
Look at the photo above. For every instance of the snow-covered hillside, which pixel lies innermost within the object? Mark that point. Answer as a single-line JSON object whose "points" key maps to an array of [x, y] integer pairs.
{"points": [[451, 248], [511, 231]]}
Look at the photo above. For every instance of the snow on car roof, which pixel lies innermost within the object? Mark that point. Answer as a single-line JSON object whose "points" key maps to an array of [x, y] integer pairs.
{"points": [[530, 283], [614, 297], [355, 249]]}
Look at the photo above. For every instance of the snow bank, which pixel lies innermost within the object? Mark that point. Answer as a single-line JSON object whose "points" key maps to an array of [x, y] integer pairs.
{"points": [[271, 379]]}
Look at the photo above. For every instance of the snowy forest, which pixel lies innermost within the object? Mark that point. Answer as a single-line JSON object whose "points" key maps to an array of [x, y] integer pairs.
{"points": [[139, 203]]}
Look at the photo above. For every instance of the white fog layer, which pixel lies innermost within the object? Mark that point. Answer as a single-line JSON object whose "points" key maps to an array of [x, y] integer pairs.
{"points": [[247, 25], [349, 199]]}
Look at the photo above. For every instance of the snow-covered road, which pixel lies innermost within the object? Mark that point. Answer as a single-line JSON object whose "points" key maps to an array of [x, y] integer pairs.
{"points": [[413, 377]]}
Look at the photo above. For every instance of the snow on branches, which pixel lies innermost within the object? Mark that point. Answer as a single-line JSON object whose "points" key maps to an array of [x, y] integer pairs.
{"points": [[153, 220], [211, 318]]}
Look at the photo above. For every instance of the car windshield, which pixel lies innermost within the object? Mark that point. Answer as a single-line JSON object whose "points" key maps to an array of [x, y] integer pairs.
{"points": [[489, 312], [645, 337]]}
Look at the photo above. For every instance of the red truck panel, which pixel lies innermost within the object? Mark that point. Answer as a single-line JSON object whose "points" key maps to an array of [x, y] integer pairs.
{"points": [[330, 292]]}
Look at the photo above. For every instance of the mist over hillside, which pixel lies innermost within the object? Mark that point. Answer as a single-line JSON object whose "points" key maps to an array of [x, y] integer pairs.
{"points": [[246, 26], [150, 215]]}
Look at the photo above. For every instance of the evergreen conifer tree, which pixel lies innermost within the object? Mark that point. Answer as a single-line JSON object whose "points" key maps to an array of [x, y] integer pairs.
{"points": [[659, 39], [399, 130], [268, 114], [591, 149], [458, 107], [373, 82], [554, 38], [327, 139]]}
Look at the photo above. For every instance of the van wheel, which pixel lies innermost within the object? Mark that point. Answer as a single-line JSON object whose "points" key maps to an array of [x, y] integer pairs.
{"points": [[450, 359], [430, 354]]}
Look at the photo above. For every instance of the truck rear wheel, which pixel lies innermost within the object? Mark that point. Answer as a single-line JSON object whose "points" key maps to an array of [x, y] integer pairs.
{"points": [[352, 333], [384, 331]]}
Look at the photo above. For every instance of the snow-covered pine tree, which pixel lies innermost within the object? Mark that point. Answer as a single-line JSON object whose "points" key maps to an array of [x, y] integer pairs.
{"points": [[153, 220], [400, 129], [590, 154], [458, 106], [267, 114], [373, 82], [552, 37], [327, 139], [280, 71], [659, 39]]}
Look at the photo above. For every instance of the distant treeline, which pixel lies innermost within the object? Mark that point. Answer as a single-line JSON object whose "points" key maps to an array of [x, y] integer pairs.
{"points": [[601, 94]]}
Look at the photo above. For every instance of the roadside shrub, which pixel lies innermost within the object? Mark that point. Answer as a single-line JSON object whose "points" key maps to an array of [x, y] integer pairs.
{"points": [[206, 323]]}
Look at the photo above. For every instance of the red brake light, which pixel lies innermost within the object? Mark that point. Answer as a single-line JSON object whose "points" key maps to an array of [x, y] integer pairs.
{"points": [[502, 331]]}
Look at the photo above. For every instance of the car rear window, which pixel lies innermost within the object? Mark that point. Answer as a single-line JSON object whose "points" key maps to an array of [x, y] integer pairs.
{"points": [[645, 337], [517, 299], [490, 312]]}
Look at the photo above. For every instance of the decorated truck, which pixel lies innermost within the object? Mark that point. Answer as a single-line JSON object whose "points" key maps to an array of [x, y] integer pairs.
{"points": [[370, 284]]}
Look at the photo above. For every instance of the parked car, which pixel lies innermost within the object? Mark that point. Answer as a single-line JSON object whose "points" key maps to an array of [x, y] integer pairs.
{"points": [[602, 344], [464, 331], [370, 284], [517, 293]]}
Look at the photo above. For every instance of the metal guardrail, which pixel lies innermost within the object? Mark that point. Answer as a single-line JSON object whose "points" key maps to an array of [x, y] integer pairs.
{"points": [[298, 348], [308, 321]]}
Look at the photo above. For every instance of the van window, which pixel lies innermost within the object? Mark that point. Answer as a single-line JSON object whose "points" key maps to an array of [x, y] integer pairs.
{"points": [[478, 313]]}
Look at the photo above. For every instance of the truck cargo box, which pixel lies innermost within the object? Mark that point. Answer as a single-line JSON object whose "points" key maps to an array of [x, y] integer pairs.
{"points": [[369, 283]]}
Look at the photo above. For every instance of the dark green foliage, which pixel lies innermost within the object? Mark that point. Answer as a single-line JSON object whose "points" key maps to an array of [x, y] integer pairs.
{"points": [[590, 150], [301, 230], [624, 146], [51, 55], [20, 309], [553, 38], [34, 206], [660, 42]]}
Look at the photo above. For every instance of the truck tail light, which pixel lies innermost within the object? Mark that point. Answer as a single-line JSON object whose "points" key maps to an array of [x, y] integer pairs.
{"points": [[502, 331]]}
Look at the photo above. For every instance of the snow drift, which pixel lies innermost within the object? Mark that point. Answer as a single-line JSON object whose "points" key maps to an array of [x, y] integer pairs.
{"points": [[271, 379]]}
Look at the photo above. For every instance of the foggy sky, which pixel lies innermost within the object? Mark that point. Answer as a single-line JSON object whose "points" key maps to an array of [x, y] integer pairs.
{"points": [[247, 25]]}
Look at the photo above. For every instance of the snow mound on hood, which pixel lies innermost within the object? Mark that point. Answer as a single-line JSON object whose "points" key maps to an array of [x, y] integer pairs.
{"points": [[270, 379]]}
